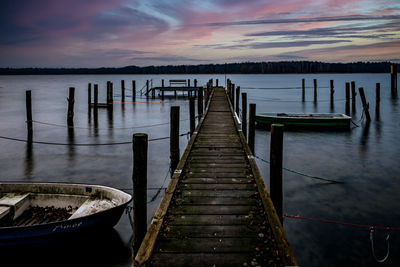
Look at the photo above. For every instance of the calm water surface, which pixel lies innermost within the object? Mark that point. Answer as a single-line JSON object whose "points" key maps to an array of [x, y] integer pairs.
{"points": [[365, 158]]}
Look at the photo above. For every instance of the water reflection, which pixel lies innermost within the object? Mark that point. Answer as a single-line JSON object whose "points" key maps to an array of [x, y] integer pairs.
{"points": [[365, 136], [29, 161], [71, 147], [110, 120]]}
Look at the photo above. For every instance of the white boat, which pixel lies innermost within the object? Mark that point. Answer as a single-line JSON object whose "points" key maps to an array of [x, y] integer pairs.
{"points": [[31, 211]]}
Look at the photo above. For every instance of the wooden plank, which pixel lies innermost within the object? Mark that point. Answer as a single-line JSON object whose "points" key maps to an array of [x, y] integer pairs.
{"points": [[203, 259], [211, 245], [218, 169], [216, 181], [239, 231], [219, 193], [195, 200], [213, 210], [219, 186]]}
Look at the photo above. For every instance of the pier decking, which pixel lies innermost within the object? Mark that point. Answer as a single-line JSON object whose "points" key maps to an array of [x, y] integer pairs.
{"points": [[216, 210]]}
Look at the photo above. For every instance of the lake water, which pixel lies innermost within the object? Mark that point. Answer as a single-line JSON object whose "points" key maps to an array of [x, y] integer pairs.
{"points": [[364, 158]]}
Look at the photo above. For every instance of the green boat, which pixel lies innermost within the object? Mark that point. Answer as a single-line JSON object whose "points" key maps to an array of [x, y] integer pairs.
{"points": [[305, 121]]}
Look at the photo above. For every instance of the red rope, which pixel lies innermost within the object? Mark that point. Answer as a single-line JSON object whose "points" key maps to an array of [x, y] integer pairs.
{"points": [[341, 223]]}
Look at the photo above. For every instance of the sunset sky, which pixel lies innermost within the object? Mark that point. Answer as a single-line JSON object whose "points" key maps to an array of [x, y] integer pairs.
{"points": [[116, 33]]}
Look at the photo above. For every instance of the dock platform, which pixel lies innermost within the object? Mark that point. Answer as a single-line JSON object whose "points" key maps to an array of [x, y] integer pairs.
{"points": [[216, 210]]}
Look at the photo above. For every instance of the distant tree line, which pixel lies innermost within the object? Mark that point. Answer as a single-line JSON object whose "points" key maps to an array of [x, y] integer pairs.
{"points": [[231, 68]]}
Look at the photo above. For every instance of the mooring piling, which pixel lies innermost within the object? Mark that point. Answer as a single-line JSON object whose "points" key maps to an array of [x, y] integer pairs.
{"points": [[71, 101], [365, 104], [315, 91], [192, 115], [303, 90], [393, 80], [174, 138], [233, 94], [89, 95], [122, 90], [276, 151], [200, 103], [347, 99], [353, 96], [133, 90], [332, 87], [244, 114], [252, 127], [29, 124], [237, 100], [378, 100], [139, 177], [96, 97]]}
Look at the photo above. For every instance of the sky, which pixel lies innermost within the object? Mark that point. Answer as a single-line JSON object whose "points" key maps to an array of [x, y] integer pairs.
{"points": [[117, 33]]}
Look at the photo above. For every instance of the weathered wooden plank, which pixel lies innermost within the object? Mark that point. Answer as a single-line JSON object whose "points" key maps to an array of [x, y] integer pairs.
{"points": [[239, 231], [195, 200], [220, 193], [212, 164], [212, 210], [211, 245], [217, 181], [206, 259], [216, 169], [219, 186], [217, 175]]}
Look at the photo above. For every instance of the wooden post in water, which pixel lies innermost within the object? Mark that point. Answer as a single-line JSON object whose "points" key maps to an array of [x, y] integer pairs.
{"points": [[123, 90], [303, 89], [244, 114], [162, 83], [315, 91], [133, 90], [71, 101], [378, 100], [233, 94], [96, 97], [332, 91], [347, 99], [200, 103], [216, 82], [111, 93], [108, 93], [393, 80], [353, 96], [195, 82], [147, 89], [206, 95], [276, 151], [188, 81], [139, 177], [237, 100], [252, 127], [365, 104], [89, 91], [174, 138], [29, 124], [192, 115]]}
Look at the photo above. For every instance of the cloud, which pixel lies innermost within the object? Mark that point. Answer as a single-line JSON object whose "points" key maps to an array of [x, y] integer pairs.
{"points": [[302, 20]]}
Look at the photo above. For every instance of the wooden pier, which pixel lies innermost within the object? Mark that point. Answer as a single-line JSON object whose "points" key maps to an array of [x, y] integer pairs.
{"points": [[216, 210]]}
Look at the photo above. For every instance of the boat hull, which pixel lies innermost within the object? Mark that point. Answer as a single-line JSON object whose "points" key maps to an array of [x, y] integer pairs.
{"points": [[300, 121], [21, 235]]}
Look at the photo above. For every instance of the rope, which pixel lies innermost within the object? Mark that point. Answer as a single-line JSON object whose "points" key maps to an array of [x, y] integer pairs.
{"points": [[161, 187], [109, 128], [67, 144], [303, 174]]}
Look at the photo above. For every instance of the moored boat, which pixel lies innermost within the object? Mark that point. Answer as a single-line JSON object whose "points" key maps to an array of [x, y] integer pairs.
{"points": [[305, 121], [30, 211]]}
